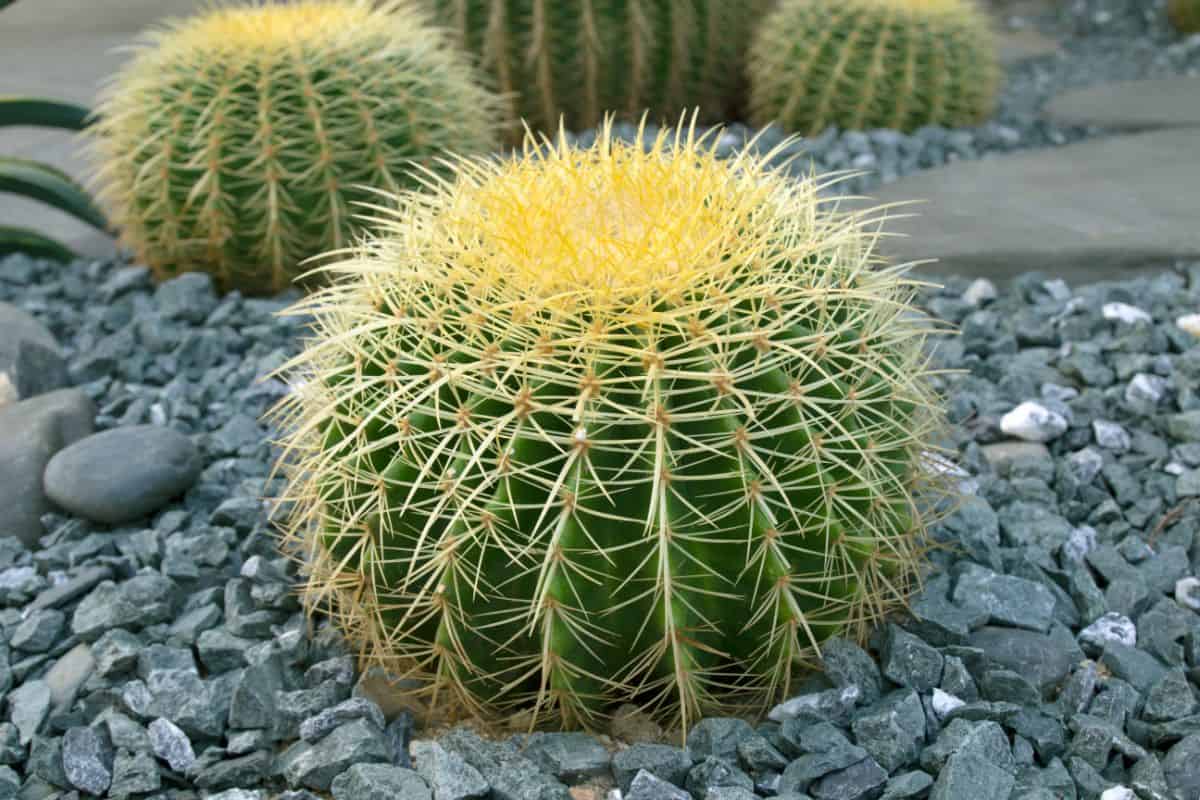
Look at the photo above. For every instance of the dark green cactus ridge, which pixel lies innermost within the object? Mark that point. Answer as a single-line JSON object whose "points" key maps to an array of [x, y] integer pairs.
{"points": [[669, 497], [579, 59], [245, 150], [863, 64]]}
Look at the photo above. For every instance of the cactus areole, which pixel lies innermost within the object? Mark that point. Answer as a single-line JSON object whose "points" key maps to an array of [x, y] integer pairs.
{"points": [[587, 427]]}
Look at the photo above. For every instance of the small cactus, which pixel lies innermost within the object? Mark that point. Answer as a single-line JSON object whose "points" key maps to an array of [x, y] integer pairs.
{"points": [[580, 59], [1184, 15], [862, 64], [623, 424], [241, 141]]}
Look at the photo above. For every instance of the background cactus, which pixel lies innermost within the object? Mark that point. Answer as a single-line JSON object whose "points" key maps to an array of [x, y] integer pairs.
{"points": [[609, 425], [1184, 15], [235, 141], [583, 58], [862, 64]]}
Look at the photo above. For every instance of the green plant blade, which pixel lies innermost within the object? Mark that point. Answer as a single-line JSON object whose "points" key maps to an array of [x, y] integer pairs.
{"points": [[51, 186], [44, 112], [24, 240], [6, 3]]}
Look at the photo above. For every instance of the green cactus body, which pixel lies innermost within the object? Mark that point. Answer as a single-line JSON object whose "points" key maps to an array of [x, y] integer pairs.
{"points": [[244, 140], [862, 64], [1184, 15], [579, 59], [621, 427]]}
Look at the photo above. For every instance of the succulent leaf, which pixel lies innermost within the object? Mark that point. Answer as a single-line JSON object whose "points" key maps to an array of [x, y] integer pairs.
{"points": [[247, 138], [18, 110], [51, 186], [1184, 15], [631, 423], [32, 243], [863, 64]]}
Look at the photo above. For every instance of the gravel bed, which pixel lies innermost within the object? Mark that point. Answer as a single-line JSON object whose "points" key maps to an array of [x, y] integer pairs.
{"points": [[1102, 41], [1054, 652]]}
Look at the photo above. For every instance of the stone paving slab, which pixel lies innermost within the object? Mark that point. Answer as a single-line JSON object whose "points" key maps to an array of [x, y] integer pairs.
{"points": [[66, 49], [1131, 105], [1090, 211], [1018, 45]]}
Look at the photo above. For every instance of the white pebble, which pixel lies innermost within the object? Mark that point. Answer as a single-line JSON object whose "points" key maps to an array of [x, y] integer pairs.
{"points": [[943, 703], [1118, 792], [1112, 627], [1123, 312], [1033, 423], [979, 292], [1145, 388], [1187, 592], [1175, 468], [1111, 436], [1080, 542], [1189, 323]]}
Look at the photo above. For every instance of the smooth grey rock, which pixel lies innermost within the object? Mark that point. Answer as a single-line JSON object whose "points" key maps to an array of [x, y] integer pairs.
{"points": [[30, 359], [1088, 211], [171, 744], [122, 474], [68, 674], [663, 761], [1136, 105], [648, 786], [315, 765], [31, 432], [451, 777], [28, 706], [87, 758], [572, 757], [379, 782]]}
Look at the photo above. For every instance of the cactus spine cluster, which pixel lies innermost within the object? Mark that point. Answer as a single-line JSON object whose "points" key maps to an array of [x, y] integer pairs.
{"points": [[581, 59], [1184, 15], [239, 141], [862, 64], [629, 423]]}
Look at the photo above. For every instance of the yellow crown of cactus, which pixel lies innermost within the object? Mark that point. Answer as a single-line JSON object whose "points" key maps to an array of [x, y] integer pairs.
{"points": [[861, 64], [592, 426], [239, 141]]}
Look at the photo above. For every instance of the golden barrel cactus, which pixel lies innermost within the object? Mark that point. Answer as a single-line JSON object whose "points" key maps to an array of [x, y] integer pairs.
{"points": [[240, 141], [586, 427]]}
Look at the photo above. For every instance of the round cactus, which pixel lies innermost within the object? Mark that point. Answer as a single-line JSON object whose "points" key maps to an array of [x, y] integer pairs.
{"points": [[1184, 15], [578, 59], [240, 141], [861, 64], [608, 425]]}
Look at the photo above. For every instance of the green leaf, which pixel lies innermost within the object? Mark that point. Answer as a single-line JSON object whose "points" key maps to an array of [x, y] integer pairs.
{"points": [[46, 112], [5, 3], [51, 186], [30, 242]]}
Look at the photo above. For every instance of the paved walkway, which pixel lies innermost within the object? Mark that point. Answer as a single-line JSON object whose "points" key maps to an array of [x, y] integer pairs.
{"points": [[1131, 105], [1090, 211], [65, 49]]}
